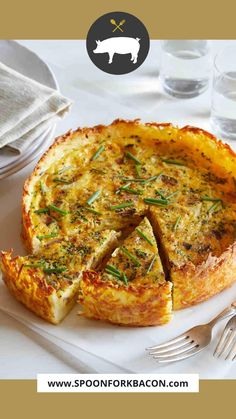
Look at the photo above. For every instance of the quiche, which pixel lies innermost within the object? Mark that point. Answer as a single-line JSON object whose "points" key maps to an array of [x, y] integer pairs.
{"points": [[131, 289], [108, 180]]}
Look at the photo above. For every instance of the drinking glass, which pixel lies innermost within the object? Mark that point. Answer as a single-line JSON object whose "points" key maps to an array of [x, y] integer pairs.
{"points": [[223, 105], [185, 67]]}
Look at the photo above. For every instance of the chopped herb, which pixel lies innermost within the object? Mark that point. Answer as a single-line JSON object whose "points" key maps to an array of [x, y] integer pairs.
{"points": [[151, 264], [171, 161], [100, 171], [157, 202], [172, 194], [160, 194], [133, 191], [112, 270], [125, 179], [132, 157], [64, 169], [61, 180], [98, 152], [216, 206], [207, 198], [123, 188], [93, 211], [34, 265], [175, 226], [123, 205], [138, 170], [47, 236], [54, 270], [140, 253], [144, 236], [152, 178], [56, 209], [130, 256], [93, 197], [41, 211]]}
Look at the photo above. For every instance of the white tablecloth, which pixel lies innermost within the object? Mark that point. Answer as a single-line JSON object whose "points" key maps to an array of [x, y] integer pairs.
{"points": [[98, 98]]}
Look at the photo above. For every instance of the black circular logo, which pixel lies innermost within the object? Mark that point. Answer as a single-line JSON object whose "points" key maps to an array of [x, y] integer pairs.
{"points": [[118, 43]]}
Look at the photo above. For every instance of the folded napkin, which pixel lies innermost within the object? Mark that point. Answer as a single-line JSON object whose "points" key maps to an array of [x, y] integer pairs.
{"points": [[27, 108]]}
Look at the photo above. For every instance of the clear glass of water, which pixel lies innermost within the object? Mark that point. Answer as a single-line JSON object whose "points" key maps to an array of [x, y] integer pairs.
{"points": [[185, 67], [223, 105]]}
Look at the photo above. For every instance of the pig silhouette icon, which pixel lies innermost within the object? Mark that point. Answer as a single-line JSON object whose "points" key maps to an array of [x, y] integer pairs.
{"points": [[119, 45]]}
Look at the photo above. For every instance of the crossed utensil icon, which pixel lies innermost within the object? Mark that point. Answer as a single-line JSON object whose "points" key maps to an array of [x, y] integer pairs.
{"points": [[117, 26]]}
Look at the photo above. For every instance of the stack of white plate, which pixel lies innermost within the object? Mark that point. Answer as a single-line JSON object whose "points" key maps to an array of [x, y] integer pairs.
{"points": [[28, 63]]}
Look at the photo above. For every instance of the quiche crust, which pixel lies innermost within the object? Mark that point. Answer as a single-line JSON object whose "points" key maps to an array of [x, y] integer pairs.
{"points": [[198, 252]]}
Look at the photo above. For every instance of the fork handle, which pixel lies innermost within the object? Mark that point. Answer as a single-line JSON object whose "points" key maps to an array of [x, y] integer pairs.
{"points": [[227, 312]]}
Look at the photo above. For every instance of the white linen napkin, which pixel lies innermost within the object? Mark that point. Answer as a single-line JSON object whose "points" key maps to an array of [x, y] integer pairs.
{"points": [[27, 108]]}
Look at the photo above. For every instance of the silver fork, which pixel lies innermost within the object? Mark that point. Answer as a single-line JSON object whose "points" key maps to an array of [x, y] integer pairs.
{"points": [[189, 343], [227, 343]]}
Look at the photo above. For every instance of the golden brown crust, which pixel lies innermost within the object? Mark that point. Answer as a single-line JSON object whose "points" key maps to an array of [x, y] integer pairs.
{"points": [[128, 306], [31, 291], [193, 285]]}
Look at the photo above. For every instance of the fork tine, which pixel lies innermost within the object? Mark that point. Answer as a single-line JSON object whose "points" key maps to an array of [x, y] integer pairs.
{"points": [[221, 344], [169, 342], [179, 345], [179, 351], [232, 349], [180, 357]]}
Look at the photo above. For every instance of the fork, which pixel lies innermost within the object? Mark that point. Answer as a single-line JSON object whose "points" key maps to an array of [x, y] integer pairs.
{"points": [[189, 343], [227, 343]]}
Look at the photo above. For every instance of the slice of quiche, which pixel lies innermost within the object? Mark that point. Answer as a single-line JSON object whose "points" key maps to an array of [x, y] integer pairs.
{"points": [[132, 289], [47, 283]]}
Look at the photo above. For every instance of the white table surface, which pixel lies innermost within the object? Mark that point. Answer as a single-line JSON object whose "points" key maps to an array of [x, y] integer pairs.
{"points": [[98, 98]]}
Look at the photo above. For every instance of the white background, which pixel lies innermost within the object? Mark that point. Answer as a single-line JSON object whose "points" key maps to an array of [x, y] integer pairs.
{"points": [[98, 98]]}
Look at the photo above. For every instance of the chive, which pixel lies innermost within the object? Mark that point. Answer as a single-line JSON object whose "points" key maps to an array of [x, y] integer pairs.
{"points": [[175, 226], [93, 211], [98, 152], [214, 207], [151, 264], [54, 270], [207, 198], [47, 236], [160, 194], [132, 157], [138, 170], [144, 236], [93, 197], [58, 180], [123, 188], [125, 179], [124, 278], [130, 256], [120, 206], [42, 187], [64, 169], [34, 265], [41, 211], [170, 161], [109, 272], [56, 209], [158, 202], [150, 179], [114, 269], [133, 191], [172, 194]]}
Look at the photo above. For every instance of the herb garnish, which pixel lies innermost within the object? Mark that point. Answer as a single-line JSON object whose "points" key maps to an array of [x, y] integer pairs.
{"points": [[151, 264], [56, 209], [176, 224], [132, 157], [171, 161], [54, 270], [93, 211], [130, 256], [41, 211], [121, 206], [112, 270], [61, 180], [98, 152], [47, 236], [217, 203], [144, 236], [157, 202], [138, 170], [93, 197]]}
